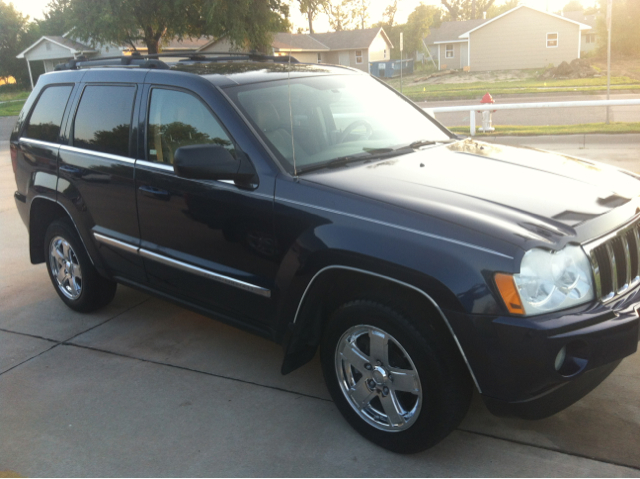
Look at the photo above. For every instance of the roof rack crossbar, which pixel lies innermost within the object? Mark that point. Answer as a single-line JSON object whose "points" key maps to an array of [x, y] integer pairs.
{"points": [[153, 60]]}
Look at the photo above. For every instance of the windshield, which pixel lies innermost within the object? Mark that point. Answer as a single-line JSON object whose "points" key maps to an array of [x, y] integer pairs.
{"points": [[334, 117]]}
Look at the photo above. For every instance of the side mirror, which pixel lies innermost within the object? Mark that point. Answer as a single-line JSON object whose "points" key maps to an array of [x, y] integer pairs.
{"points": [[212, 162]]}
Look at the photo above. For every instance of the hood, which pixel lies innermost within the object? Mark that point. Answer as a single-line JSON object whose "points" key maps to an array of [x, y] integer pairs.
{"points": [[532, 194]]}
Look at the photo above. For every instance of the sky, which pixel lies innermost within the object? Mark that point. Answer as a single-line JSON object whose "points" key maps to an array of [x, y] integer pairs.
{"points": [[34, 9]]}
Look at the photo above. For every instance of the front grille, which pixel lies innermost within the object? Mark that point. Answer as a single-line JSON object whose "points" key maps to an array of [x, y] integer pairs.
{"points": [[615, 260]]}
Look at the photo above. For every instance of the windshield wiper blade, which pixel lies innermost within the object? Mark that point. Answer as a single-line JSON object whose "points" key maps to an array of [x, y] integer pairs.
{"points": [[373, 154]]}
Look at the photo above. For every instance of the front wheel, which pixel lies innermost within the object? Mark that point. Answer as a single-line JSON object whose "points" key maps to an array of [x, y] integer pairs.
{"points": [[399, 384], [73, 275]]}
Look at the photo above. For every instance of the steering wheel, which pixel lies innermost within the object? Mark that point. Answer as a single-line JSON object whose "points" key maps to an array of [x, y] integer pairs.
{"points": [[353, 126]]}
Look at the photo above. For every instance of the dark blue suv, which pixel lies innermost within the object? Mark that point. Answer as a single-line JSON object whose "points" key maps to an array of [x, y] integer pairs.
{"points": [[317, 207]]}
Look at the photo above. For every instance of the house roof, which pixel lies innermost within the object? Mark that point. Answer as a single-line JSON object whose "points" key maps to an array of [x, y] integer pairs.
{"points": [[580, 17], [71, 45], [451, 31], [297, 41], [349, 39], [582, 25]]}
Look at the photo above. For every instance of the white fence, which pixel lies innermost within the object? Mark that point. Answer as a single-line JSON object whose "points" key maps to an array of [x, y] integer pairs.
{"points": [[519, 106]]}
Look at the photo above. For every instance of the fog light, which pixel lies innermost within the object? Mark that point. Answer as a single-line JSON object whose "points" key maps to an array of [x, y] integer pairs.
{"points": [[562, 354]]}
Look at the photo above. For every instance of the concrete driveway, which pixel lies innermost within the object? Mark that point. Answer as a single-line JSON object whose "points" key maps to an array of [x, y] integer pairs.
{"points": [[146, 388]]}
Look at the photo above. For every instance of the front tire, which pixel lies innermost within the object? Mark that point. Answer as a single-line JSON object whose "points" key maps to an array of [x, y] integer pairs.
{"points": [[399, 382], [72, 274]]}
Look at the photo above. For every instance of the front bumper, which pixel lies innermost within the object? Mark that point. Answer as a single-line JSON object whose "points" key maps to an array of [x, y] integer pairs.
{"points": [[513, 359]]}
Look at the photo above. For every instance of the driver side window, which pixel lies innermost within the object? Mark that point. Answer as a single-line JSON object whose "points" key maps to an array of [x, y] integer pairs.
{"points": [[178, 119]]}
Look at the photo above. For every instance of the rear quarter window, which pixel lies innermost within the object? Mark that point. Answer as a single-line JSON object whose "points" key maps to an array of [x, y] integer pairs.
{"points": [[44, 123], [103, 119]]}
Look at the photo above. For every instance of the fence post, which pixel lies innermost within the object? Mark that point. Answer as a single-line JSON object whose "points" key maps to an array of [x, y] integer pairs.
{"points": [[472, 122]]}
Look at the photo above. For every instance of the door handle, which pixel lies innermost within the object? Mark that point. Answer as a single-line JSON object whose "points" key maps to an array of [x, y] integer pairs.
{"points": [[71, 170], [156, 193]]}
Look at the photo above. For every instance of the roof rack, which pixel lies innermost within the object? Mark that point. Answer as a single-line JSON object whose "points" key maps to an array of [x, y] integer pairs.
{"points": [[153, 60]]}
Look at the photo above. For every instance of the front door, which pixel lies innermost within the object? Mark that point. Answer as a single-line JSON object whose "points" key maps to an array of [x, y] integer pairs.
{"points": [[344, 58], [208, 242]]}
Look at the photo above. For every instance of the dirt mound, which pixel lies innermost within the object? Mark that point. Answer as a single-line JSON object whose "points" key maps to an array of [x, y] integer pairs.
{"points": [[578, 68]]}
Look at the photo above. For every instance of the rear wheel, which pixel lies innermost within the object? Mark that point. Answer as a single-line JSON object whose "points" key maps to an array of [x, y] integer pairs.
{"points": [[73, 275], [402, 386]]}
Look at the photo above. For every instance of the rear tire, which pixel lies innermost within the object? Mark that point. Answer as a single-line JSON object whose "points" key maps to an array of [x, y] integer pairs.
{"points": [[400, 383], [72, 274]]}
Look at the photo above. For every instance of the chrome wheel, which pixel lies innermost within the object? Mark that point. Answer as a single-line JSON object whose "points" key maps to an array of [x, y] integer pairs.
{"points": [[65, 267], [378, 378]]}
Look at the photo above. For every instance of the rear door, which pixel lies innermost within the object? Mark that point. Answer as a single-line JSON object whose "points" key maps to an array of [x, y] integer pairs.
{"points": [[208, 242], [97, 167]]}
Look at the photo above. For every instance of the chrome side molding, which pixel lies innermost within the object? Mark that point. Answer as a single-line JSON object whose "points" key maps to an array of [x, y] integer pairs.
{"points": [[189, 268]]}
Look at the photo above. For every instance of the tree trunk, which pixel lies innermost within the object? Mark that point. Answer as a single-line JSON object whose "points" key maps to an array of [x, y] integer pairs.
{"points": [[310, 15]]}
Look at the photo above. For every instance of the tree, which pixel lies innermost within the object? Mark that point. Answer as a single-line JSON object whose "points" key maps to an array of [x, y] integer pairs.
{"points": [[625, 35], [57, 18], [340, 16], [361, 12], [497, 10], [389, 14], [311, 8], [417, 26], [573, 6], [15, 36], [466, 9], [247, 23]]}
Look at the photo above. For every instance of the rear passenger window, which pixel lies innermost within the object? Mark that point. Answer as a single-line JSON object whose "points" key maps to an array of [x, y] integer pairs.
{"points": [[103, 119], [44, 124], [178, 119]]}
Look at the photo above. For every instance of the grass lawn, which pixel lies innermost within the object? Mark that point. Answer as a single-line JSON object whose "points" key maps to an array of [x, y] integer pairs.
{"points": [[13, 108], [526, 130], [473, 90]]}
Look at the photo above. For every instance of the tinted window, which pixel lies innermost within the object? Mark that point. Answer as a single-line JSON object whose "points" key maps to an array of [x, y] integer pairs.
{"points": [[177, 119], [44, 123], [103, 119]]}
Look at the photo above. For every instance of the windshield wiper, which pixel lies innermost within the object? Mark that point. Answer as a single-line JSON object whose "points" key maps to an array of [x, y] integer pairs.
{"points": [[372, 154]]}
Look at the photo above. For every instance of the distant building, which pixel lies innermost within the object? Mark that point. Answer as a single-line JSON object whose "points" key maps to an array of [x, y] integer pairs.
{"points": [[589, 39], [356, 48], [523, 37]]}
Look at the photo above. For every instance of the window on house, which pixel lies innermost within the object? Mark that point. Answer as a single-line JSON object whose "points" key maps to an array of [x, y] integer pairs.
{"points": [[358, 56], [47, 46], [106, 49], [552, 40], [385, 54], [590, 38], [448, 51], [319, 58]]}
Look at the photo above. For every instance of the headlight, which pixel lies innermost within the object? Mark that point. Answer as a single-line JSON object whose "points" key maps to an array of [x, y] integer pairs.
{"points": [[548, 281]]}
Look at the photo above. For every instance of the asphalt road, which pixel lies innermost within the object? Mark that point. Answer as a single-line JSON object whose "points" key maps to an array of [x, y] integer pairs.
{"points": [[146, 388], [555, 116]]}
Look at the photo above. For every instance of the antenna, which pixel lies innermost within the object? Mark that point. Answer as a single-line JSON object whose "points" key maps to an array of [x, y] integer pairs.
{"points": [[293, 146]]}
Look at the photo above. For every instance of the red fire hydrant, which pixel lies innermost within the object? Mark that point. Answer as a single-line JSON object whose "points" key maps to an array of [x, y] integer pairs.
{"points": [[487, 114]]}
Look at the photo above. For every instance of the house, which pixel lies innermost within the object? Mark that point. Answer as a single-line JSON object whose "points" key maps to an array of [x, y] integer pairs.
{"points": [[355, 48], [589, 39], [52, 50], [523, 37]]}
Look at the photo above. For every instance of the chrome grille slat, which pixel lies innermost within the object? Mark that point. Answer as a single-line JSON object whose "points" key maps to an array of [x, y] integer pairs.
{"points": [[627, 259], [615, 261]]}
